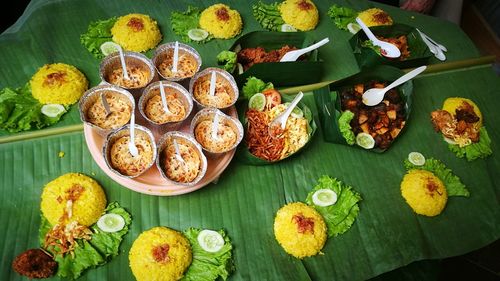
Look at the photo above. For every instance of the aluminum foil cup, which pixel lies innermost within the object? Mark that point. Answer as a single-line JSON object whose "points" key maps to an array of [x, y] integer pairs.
{"points": [[132, 59], [122, 132], [166, 140], [154, 89], [208, 114], [161, 53], [206, 74], [93, 95]]}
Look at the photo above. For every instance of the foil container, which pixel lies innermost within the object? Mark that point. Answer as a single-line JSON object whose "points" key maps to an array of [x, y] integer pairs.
{"points": [[92, 95], [208, 114], [112, 62], [164, 140], [122, 132], [220, 72], [180, 93], [161, 52]]}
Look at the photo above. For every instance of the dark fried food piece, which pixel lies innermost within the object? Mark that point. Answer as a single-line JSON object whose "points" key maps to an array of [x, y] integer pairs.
{"points": [[250, 56], [34, 263]]}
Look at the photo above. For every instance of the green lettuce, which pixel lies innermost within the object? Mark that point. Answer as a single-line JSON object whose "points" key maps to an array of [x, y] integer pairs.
{"points": [[20, 111], [268, 15], [255, 85], [97, 33], [97, 251], [228, 60], [182, 22], [454, 187], [473, 151], [345, 127], [208, 266], [340, 216], [342, 16]]}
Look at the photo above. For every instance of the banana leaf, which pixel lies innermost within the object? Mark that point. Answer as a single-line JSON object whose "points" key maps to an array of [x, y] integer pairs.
{"points": [[367, 56], [329, 104], [280, 73], [244, 155]]}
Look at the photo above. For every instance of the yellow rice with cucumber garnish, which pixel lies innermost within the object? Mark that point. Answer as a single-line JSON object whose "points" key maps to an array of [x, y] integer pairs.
{"points": [[58, 83], [136, 32], [301, 14], [220, 21]]}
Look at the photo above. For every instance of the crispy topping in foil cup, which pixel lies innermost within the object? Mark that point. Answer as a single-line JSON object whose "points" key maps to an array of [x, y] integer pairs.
{"points": [[189, 61], [140, 69], [226, 90]]}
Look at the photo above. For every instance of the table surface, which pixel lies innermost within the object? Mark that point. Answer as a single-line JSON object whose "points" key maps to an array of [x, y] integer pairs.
{"points": [[386, 234]]}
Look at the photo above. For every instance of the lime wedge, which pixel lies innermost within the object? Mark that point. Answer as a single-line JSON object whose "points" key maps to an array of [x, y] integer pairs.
{"points": [[296, 112], [416, 158], [111, 223], [324, 197], [53, 110], [257, 102], [109, 48], [211, 241], [365, 140], [197, 34], [353, 27], [287, 28]]}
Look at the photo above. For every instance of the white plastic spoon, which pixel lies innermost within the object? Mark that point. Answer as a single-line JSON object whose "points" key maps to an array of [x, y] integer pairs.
{"points": [[295, 54], [176, 57], [386, 49], [131, 144], [443, 48], [374, 96], [438, 52], [281, 119], [215, 126], [164, 99], [178, 155], [212, 84], [105, 104], [124, 66]]}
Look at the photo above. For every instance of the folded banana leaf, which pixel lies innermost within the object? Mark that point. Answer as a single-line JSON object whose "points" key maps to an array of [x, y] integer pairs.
{"points": [[244, 155], [280, 73], [419, 53], [329, 104]]}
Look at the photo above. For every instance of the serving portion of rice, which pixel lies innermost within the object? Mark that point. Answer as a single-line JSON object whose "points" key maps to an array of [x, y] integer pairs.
{"points": [[424, 192], [301, 14], [220, 21], [58, 83], [136, 32], [160, 254], [375, 17]]}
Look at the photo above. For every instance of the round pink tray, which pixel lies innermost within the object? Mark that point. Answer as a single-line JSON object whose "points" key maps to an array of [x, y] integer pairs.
{"points": [[151, 181]]}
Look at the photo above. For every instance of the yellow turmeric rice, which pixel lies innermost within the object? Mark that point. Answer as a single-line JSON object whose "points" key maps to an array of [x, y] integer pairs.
{"points": [[424, 192], [136, 32], [301, 14], [452, 104], [220, 21], [58, 83], [375, 17]]}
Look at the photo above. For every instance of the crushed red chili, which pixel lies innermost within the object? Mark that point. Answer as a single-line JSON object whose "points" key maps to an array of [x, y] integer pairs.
{"points": [[160, 253], [53, 78], [432, 186], [74, 192], [136, 24], [304, 224], [222, 14], [304, 5], [382, 18]]}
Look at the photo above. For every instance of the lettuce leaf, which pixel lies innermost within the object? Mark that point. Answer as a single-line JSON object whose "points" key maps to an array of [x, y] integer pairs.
{"points": [[228, 60], [340, 216], [97, 33], [454, 187], [182, 22], [208, 266], [345, 127], [255, 85], [20, 111], [473, 151], [97, 251], [268, 15], [342, 16]]}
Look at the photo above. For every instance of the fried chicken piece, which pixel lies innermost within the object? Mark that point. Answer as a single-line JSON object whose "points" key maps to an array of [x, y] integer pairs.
{"points": [[34, 263], [441, 119]]}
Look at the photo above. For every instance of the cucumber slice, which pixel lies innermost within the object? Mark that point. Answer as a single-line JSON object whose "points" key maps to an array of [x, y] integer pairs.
{"points": [[296, 112], [211, 241], [353, 27], [109, 48], [450, 141], [416, 158], [365, 140], [257, 102], [324, 197], [288, 28], [197, 34], [53, 110], [240, 68], [111, 223]]}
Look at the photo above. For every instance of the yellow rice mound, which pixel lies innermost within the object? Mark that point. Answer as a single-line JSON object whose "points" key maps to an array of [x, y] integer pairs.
{"points": [[424, 192], [160, 254], [288, 232], [136, 32], [301, 14], [375, 17], [220, 21], [451, 105], [58, 83], [86, 209]]}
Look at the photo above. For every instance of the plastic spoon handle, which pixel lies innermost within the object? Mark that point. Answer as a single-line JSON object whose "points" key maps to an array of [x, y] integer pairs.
{"points": [[406, 77], [290, 108], [315, 46], [295, 54], [176, 57], [215, 126], [131, 144], [105, 104], [177, 152], [124, 66], [367, 31], [432, 41], [164, 99], [212, 84], [438, 53]]}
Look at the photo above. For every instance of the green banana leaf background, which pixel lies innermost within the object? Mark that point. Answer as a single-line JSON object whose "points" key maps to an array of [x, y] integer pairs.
{"points": [[386, 234]]}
